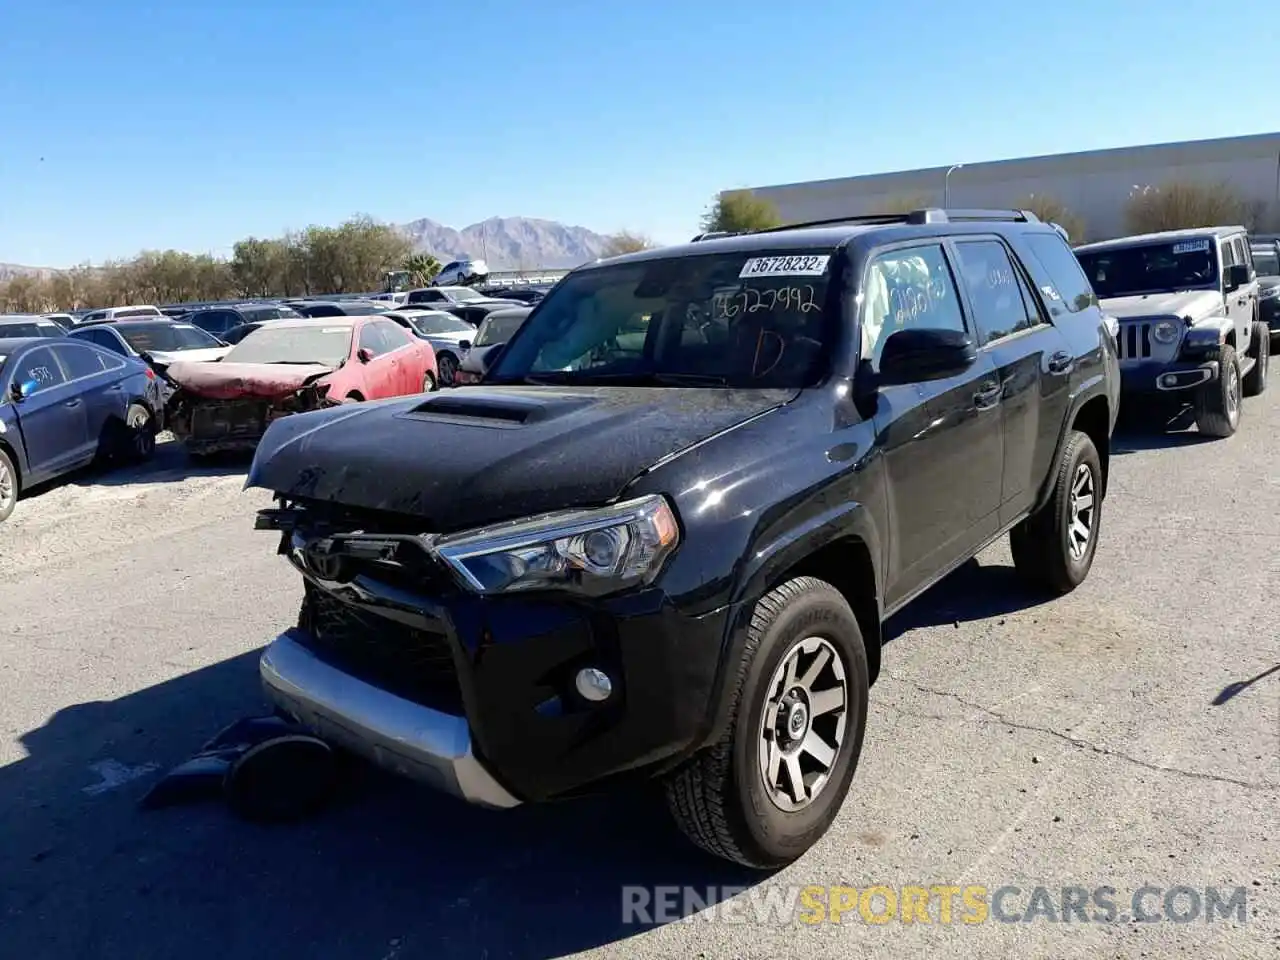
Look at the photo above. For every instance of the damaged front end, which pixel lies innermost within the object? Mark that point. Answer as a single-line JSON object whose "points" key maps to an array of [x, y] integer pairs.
{"points": [[232, 414]]}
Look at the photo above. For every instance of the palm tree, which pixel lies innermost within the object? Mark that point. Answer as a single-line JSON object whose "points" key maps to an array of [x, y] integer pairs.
{"points": [[422, 268]]}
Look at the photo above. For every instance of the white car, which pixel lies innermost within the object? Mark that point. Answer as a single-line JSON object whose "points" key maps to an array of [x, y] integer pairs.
{"points": [[450, 336], [464, 272]]}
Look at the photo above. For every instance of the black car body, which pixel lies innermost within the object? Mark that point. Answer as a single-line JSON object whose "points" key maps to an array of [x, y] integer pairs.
{"points": [[445, 298], [64, 403], [339, 308], [1266, 261], [689, 467], [219, 320]]}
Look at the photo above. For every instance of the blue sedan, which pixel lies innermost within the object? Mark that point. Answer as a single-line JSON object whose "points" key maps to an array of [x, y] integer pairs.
{"points": [[63, 404]]}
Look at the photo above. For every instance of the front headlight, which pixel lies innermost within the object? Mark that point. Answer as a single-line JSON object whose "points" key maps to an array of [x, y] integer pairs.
{"points": [[589, 551], [1269, 293], [1166, 331]]}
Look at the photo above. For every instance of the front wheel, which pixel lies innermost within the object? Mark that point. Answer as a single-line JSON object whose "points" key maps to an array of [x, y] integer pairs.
{"points": [[8, 486], [1053, 548], [429, 384], [771, 786], [1218, 402]]}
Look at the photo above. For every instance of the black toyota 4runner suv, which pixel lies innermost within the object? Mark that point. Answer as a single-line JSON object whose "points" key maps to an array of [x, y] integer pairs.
{"points": [[659, 538]]}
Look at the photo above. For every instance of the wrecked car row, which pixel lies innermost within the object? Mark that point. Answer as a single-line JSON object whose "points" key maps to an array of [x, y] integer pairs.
{"points": [[288, 367]]}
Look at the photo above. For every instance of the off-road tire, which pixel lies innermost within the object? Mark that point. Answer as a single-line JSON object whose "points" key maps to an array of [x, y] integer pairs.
{"points": [[1256, 382], [718, 796], [1040, 546], [7, 469], [1212, 400]]}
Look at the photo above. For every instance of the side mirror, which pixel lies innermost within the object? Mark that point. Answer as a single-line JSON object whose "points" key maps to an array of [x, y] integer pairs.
{"points": [[1237, 276], [464, 345], [364, 354], [916, 356], [20, 391]]}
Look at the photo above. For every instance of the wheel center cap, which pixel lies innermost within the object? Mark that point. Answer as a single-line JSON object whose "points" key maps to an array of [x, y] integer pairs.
{"points": [[797, 720]]}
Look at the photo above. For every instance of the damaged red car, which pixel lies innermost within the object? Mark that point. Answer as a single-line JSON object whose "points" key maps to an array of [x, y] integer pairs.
{"points": [[291, 366]]}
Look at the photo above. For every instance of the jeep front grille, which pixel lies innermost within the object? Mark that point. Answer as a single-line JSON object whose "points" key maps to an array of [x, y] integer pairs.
{"points": [[1135, 342], [411, 663]]}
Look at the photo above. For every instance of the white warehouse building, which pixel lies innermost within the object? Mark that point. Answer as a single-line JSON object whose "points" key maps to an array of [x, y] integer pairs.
{"points": [[1095, 185]]}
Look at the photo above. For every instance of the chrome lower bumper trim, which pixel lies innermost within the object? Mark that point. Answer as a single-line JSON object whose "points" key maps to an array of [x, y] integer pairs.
{"points": [[396, 734]]}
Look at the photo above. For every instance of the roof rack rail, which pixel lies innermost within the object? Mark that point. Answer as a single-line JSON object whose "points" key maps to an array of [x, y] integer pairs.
{"points": [[712, 235], [922, 216]]}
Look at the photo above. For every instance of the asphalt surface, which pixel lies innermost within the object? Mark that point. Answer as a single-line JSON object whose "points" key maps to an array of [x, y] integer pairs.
{"points": [[1126, 735]]}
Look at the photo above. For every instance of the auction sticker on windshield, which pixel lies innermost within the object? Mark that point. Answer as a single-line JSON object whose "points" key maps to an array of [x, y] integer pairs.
{"points": [[807, 266], [1191, 246]]}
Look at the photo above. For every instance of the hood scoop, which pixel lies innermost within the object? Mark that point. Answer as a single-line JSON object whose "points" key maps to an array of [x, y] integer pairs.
{"points": [[473, 406]]}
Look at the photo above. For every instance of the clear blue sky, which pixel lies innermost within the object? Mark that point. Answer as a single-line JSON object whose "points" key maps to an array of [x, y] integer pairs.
{"points": [[130, 124]]}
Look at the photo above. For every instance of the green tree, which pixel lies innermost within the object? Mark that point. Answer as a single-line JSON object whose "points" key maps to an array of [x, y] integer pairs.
{"points": [[421, 267], [624, 241], [740, 211], [1179, 204], [1052, 210]]}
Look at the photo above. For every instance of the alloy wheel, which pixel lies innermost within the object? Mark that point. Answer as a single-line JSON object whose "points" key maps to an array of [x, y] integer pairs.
{"points": [[803, 725], [1083, 512], [1233, 392], [8, 489]]}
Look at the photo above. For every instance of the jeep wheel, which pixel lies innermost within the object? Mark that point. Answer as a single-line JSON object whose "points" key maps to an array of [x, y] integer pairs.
{"points": [[1053, 548], [1218, 402], [771, 786], [1256, 382]]}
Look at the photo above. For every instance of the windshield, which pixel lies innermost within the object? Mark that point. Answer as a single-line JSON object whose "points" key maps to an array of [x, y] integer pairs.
{"points": [[167, 338], [327, 344], [36, 328], [1266, 261], [1151, 268], [498, 328], [743, 319], [439, 323]]}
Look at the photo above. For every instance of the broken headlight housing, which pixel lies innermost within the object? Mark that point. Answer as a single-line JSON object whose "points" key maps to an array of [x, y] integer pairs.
{"points": [[588, 551]]}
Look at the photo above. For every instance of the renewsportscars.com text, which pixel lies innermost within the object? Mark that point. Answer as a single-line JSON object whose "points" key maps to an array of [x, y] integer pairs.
{"points": [[933, 904]]}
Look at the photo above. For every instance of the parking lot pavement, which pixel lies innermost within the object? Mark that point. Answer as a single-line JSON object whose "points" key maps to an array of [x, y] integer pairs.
{"points": [[1124, 736]]}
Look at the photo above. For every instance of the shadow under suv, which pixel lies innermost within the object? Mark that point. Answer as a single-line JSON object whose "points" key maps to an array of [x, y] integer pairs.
{"points": [[660, 536]]}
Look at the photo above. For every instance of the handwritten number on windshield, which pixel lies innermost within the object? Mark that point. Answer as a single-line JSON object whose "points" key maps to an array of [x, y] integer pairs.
{"points": [[753, 300]]}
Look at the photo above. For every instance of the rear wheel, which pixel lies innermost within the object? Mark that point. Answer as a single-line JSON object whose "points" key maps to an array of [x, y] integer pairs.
{"points": [[1053, 548], [770, 787], [1218, 402], [447, 364], [1256, 382], [140, 434], [8, 486]]}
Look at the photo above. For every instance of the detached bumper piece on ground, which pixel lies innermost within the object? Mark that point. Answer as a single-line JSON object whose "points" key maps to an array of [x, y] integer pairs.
{"points": [[265, 768]]}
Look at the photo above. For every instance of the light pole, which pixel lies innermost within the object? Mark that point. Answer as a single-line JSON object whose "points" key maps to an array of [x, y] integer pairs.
{"points": [[946, 184]]}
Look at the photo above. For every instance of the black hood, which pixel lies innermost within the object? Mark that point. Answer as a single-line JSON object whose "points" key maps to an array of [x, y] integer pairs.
{"points": [[480, 454]]}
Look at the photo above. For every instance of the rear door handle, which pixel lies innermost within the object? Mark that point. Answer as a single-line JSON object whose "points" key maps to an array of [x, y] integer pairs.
{"points": [[1060, 362], [988, 396], [71, 403]]}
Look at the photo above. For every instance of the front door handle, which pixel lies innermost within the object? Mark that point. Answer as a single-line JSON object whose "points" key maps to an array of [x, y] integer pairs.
{"points": [[71, 403], [988, 396], [1060, 362]]}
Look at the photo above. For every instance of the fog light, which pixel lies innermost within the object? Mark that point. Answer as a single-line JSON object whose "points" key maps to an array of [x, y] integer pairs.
{"points": [[593, 684]]}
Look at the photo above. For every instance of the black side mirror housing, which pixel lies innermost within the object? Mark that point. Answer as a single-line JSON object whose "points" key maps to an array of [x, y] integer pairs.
{"points": [[917, 356], [1236, 277], [464, 344]]}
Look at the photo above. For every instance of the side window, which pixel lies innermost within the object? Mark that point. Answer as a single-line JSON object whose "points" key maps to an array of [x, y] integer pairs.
{"points": [[393, 336], [995, 290], [1068, 286], [1228, 255], [41, 367], [1242, 253], [79, 360], [911, 288], [371, 339], [109, 340]]}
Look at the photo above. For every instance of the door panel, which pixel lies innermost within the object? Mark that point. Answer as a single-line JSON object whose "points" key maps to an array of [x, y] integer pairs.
{"points": [[52, 419], [1031, 357], [945, 455]]}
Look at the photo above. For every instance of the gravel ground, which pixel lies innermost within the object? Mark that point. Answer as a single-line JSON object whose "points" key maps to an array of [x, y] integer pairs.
{"points": [[1111, 738]]}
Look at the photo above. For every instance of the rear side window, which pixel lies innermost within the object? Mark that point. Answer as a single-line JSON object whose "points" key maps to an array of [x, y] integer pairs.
{"points": [[1000, 304], [1068, 286], [80, 360]]}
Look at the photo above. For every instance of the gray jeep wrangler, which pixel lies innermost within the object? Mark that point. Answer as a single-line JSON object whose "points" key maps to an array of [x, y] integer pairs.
{"points": [[1189, 324]]}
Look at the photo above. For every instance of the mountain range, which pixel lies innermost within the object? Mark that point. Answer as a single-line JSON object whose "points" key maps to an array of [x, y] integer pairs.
{"points": [[507, 243]]}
